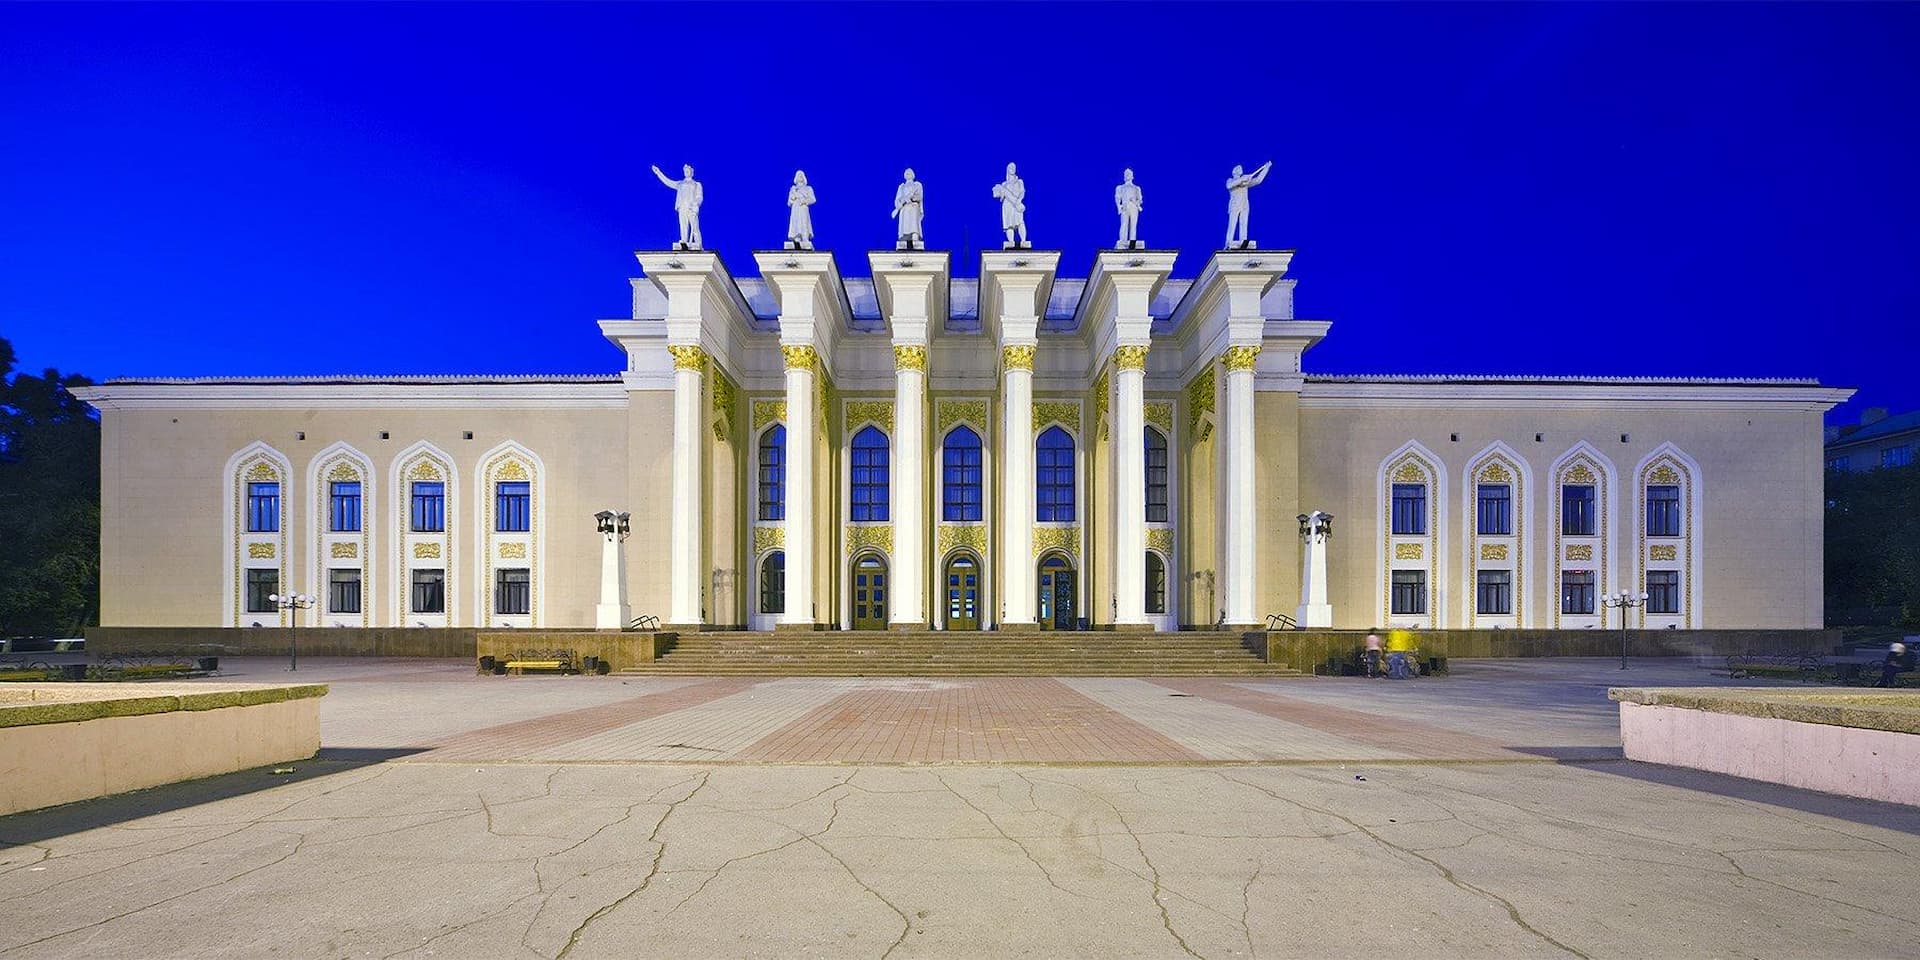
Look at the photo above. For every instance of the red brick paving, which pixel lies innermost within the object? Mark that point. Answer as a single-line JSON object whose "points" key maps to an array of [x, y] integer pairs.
{"points": [[508, 741], [1372, 729], [1004, 719]]}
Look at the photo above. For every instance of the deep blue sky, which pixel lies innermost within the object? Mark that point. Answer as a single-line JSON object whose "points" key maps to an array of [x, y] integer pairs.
{"points": [[1654, 189]]}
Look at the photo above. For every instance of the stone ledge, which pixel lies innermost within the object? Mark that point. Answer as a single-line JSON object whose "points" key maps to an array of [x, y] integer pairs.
{"points": [[1891, 711], [30, 704]]}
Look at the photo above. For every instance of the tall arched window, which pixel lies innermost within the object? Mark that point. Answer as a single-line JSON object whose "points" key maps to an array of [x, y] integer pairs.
{"points": [[961, 476], [773, 473], [1053, 476], [870, 476], [1156, 583], [1156, 476], [773, 583]]}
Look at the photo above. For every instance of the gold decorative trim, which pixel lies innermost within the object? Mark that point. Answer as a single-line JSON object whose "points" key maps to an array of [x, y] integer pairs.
{"points": [[1067, 412], [1102, 400], [908, 357], [1498, 468], [1578, 474], [947, 413], [1057, 538], [769, 538], [687, 356], [1130, 357], [424, 470], [343, 472], [1494, 551], [1016, 358], [1409, 551], [344, 551], [871, 536], [260, 551], [1160, 539], [1240, 358], [426, 551], [1663, 474], [953, 536], [1579, 551], [512, 470], [1410, 472], [1495, 473], [1668, 470], [513, 551], [1412, 466], [877, 411], [1663, 552], [800, 357], [726, 404], [768, 411], [1160, 414], [1200, 399], [262, 472], [1583, 471]]}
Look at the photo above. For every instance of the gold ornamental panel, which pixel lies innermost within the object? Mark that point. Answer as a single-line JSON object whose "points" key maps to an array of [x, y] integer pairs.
{"points": [[1664, 551], [769, 538], [1067, 412], [511, 470], [1160, 539], [768, 411], [949, 412], [426, 551], [726, 404], [1663, 474], [1130, 357], [342, 472], [1493, 551], [1409, 551], [873, 536], [1496, 473], [1240, 358], [877, 411], [262, 472], [1016, 358], [1410, 472], [260, 551], [908, 357], [687, 356], [800, 357], [513, 551], [1579, 473], [1579, 551], [1057, 538], [953, 536], [1101, 401], [1160, 414], [1200, 398], [344, 551]]}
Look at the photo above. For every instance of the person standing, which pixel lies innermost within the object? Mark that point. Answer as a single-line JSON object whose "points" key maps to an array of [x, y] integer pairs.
{"points": [[1899, 660], [1373, 653]]}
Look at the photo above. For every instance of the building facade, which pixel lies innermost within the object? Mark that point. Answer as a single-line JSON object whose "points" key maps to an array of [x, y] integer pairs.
{"points": [[804, 450], [1877, 441]]}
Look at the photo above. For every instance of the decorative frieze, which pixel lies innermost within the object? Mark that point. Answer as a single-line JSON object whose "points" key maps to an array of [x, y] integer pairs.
{"points": [[1579, 474], [1160, 414], [1102, 401], [1579, 551], [260, 551], [1056, 538], [1160, 540], [1409, 551], [262, 472], [1200, 401], [513, 551], [876, 411], [1066, 412], [768, 411], [344, 551], [1663, 474], [769, 538], [872, 536], [726, 404], [1493, 551], [1663, 551], [426, 551], [949, 412], [953, 536]]}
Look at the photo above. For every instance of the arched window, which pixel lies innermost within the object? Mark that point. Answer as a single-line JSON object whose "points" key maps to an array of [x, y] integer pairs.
{"points": [[1156, 477], [1053, 476], [870, 476], [960, 482], [773, 473], [1156, 583], [773, 583]]}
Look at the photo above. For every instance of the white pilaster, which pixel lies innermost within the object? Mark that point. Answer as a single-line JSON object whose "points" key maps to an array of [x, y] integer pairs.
{"points": [[1015, 285], [1237, 514], [911, 288], [688, 573], [801, 361]]}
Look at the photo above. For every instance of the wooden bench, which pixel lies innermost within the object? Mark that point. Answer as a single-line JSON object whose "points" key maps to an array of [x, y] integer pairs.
{"points": [[557, 660]]}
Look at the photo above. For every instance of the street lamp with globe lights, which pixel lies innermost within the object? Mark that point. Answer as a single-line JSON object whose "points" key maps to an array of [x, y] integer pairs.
{"points": [[1624, 601], [295, 602]]}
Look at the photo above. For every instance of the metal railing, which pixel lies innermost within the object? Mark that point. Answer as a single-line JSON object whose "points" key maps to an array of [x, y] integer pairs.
{"points": [[645, 622], [1277, 620]]}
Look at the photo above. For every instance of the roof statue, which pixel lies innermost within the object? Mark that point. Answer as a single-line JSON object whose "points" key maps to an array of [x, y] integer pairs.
{"points": [[687, 194], [1237, 187], [1129, 200], [908, 208], [1012, 194], [800, 213]]}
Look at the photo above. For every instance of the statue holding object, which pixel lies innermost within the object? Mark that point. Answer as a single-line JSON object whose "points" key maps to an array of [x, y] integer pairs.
{"points": [[909, 209], [1012, 194], [800, 213], [1237, 208]]}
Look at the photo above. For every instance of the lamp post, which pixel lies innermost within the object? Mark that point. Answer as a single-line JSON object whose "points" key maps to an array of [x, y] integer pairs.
{"points": [[611, 613], [1624, 601], [1316, 529], [295, 602]]}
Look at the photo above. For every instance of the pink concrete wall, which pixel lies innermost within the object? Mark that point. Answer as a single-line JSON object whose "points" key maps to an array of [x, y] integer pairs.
{"points": [[1876, 764]]}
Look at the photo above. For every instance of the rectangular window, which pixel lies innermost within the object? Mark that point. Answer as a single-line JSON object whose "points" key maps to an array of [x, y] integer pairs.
{"points": [[262, 584], [1898, 456], [429, 507], [1410, 591], [512, 591], [1663, 510], [1576, 591], [263, 508], [1577, 517], [1663, 591], [1496, 510], [513, 506], [430, 591], [1495, 593], [961, 483], [868, 477], [343, 507], [343, 591], [1840, 463], [1156, 478], [1410, 509]]}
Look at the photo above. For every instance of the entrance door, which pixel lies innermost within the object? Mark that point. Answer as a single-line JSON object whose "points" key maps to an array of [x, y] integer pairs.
{"points": [[963, 592], [1056, 593], [869, 592]]}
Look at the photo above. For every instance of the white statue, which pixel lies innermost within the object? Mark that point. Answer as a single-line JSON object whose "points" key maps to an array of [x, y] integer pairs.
{"points": [[1012, 195], [1237, 187], [687, 195], [908, 208], [800, 215], [1128, 199]]}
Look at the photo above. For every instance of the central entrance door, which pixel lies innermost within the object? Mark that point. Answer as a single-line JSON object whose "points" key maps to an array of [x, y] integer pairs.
{"points": [[1056, 593], [869, 592], [963, 592]]}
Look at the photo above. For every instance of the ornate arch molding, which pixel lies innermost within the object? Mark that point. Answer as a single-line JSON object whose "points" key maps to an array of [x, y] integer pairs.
{"points": [[1583, 464], [1413, 463], [1667, 464], [1498, 463], [336, 550], [424, 462], [510, 462], [267, 550]]}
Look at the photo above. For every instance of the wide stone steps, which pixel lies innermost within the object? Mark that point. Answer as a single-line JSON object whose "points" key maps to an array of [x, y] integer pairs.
{"points": [[735, 653]]}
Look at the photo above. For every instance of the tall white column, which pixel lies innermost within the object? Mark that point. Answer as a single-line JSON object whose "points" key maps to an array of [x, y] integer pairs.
{"points": [[1018, 579], [1237, 515], [1129, 487], [802, 361], [909, 513], [1314, 610], [612, 612], [687, 575]]}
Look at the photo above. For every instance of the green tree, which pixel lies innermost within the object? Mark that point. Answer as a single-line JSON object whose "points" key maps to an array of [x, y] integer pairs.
{"points": [[1873, 546], [49, 503]]}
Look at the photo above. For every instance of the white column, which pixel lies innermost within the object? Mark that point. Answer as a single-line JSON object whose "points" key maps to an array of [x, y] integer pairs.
{"points": [[612, 612], [909, 513], [1314, 610], [1129, 486], [1237, 514], [801, 363], [689, 367], [1017, 584]]}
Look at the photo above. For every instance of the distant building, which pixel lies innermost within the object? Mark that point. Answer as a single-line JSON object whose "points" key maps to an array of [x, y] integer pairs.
{"points": [[1876, 441]]}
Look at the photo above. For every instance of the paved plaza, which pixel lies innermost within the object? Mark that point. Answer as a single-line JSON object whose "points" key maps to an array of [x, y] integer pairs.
{"points": [[449, 815]]}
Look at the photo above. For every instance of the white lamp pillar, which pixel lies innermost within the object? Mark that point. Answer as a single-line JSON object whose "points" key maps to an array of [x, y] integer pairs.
{"points": [[909, 484], [1237, 516], [612, 612], [1129, 487], [802, 367], [1314, 611], [687, 573]]}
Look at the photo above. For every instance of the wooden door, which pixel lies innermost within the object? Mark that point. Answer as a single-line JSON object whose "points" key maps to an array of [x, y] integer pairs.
{"points": [[869, 592], [1056, 596], [963, 592]]}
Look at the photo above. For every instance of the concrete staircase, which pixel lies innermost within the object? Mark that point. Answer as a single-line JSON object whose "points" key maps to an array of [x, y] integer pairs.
{"points": [[957, 654]]}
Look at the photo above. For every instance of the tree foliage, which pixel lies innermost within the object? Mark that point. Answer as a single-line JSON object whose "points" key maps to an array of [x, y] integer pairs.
{"points": [[49, 504], [1873, 546]]}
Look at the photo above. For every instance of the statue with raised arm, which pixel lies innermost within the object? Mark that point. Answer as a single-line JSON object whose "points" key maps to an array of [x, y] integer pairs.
{"points": [[687, 195], [1129, 200], [908, 208], [1237, 187], [1012, 194], [800, 213]]}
